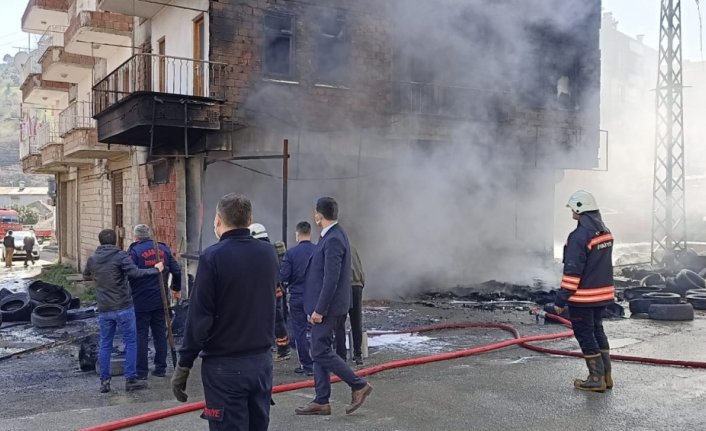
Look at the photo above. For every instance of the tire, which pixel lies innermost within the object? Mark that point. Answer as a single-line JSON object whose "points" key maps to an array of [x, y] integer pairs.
{"points": [[61, 297], [39, 290], [637, 292], [80, 314], [698, 301], [74, 304], [672, 312], [16, 308], [687, 279], [696, 292], [640, 306], [117, 366], [49, 316], [653, 280], [673, 287], [88, 353], [5, 292], [663, 297]]}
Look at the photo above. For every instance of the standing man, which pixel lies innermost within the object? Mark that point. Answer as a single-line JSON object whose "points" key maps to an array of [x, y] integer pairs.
{"points": [[291, 274], [587, 288], [9, 244], [231, 323], [28, 243], [111, 267], [284, 352], [146, 294], [355, 313], [327, 299]]}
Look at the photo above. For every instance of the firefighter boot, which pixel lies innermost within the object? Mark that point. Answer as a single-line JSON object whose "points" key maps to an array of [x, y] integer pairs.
{"points": [[605, 354], [596, 375]]}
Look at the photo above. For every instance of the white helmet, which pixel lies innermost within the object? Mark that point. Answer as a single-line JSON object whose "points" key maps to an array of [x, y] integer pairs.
{"points": [[582, 201], [258, 231]]}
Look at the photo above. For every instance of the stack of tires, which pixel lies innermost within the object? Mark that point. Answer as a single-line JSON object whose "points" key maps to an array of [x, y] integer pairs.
{"points": [[51, 302], [673, 299]]}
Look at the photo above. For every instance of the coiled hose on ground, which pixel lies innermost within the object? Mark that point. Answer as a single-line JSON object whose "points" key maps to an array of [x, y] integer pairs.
{"points": [[516, 340]]}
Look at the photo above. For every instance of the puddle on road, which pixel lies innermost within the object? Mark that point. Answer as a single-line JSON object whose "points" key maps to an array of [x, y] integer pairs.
{"points": [[623, 342], [407, 343]]}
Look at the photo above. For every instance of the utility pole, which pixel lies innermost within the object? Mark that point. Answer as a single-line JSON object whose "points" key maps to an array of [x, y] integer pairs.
{"points": [[669, 200]]}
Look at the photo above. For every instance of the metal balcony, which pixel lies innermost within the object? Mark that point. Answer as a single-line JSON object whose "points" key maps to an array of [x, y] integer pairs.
{"points": [[56, 63], [41, 14], [98, 34], [171, 94]]}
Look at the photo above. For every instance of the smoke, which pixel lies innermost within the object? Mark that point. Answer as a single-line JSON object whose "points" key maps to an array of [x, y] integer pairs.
{"points": [[445, 145]]}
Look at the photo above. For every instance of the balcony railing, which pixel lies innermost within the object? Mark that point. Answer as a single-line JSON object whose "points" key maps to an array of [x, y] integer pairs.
{"points": [[28, 145], [161, 74], [53, 37], [31, 65], [78, 115], [47, 134], [441, 100]]}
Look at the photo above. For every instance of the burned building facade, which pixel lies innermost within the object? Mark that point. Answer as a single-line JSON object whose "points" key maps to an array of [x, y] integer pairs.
{"points": [[439, 126]]}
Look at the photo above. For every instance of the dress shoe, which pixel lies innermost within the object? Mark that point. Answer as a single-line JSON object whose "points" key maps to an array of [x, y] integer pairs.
{"points": [[358, 398], [314, 409]]}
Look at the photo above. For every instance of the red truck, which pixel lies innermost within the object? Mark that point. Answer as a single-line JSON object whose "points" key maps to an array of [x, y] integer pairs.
{"points": [[9, 220]]}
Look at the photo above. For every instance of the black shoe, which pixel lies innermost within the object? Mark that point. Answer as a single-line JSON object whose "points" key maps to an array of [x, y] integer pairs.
{"points": [[159, 373], [133, 384], [304, 371], [141, 377], [105, 386], [358, 360]]}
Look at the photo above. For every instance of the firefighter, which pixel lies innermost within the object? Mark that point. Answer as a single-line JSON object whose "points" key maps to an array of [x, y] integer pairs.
{"points": [[587, 288]]}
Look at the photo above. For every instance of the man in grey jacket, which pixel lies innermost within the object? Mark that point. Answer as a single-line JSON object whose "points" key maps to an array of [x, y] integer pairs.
{"points": [[111, 267]]}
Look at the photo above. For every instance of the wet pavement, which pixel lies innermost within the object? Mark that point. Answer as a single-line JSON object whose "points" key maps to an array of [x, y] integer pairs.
{"points": [[504, 390]]}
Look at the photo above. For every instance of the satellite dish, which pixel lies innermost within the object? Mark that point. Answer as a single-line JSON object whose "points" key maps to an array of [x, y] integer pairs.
{"points": [[20, 60]]}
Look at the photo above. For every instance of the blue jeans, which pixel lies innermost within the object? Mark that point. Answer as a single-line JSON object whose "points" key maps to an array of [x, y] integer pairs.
{"points": [[108, 321]]}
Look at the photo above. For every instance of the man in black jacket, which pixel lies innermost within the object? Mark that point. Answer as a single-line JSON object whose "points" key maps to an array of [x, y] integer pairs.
{"points": [[231, 323], [9, 244], [111, 267], [327, 299]]}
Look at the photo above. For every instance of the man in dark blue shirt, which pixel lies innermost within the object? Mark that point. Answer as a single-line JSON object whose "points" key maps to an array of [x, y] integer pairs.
{"points": [[291, 274], [149, 308], [231, 323]]}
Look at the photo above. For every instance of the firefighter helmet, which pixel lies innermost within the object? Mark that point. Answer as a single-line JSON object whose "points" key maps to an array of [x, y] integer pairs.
{"points": [[581, 202], [258, 231]]}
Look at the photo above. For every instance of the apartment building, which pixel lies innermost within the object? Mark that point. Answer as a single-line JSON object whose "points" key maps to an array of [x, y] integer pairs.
{"points": [[383, 104]]}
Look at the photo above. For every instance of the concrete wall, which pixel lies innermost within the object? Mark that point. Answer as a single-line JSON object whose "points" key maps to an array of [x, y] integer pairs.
{"points": [[6, 200]]}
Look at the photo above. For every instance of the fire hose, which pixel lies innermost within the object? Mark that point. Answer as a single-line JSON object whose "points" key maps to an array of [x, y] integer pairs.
{"points": [[516, 340]]}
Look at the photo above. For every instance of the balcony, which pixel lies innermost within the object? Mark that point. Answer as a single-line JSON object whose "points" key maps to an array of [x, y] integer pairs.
{"points": [[40, 14], [29, 153], [172, 94], [51, 148], [98, 34], [56, 63], [138, 8], [78, 130], [38, 91]]}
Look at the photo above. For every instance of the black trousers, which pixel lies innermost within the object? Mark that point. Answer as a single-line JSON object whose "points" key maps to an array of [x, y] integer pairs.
{"points": [[356, 316], [28, 255], [587, 323], [281, 335], [146, 322], [238, 392]]}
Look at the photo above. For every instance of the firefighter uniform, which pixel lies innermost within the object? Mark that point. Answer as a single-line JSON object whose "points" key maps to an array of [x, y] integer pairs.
{"points": [[587, 288]]}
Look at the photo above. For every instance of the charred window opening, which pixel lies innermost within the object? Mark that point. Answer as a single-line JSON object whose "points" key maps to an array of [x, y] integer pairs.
{"points": [[279, 45], [332, 49]]}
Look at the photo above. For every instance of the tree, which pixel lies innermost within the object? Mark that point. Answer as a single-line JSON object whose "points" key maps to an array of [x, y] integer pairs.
{"points": [[27, 215]]}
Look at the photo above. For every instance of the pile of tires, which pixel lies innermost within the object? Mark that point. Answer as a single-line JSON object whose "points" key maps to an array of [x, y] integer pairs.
{"points": [[50, 304]]}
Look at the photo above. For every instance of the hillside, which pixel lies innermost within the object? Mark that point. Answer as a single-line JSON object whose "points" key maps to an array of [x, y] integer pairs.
{"points": [[10, 98]]}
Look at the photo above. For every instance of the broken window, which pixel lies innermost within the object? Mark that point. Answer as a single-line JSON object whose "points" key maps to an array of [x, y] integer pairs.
{"points": [[279, 45], [332, 49]]}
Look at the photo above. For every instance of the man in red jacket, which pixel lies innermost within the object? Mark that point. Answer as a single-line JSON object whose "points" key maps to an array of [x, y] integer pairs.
{"points": [[587, 288]]}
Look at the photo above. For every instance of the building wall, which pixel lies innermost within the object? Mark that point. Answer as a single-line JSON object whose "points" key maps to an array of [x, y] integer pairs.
{"points": [[163, 199]]}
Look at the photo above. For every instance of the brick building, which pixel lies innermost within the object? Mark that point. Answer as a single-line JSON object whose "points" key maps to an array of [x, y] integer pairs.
{"points": [[401, 110]]}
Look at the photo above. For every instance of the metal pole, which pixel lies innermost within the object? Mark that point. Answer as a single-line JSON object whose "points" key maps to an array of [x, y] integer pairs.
{"points": [[285, 191]]}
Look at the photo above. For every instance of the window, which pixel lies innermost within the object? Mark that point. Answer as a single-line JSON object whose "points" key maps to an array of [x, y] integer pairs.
{"points": [[332, 49], [279, 45]]}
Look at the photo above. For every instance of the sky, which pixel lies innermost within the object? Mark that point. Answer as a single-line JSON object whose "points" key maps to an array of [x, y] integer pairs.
{"points": [[634, 16]]}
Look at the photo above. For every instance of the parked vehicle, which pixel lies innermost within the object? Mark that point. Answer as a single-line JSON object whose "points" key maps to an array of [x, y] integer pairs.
{"points": [[9, 220], [20, 252]]}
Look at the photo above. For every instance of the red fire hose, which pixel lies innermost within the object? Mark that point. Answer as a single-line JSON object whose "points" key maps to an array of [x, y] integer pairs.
{"points": [[517, 340]]}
